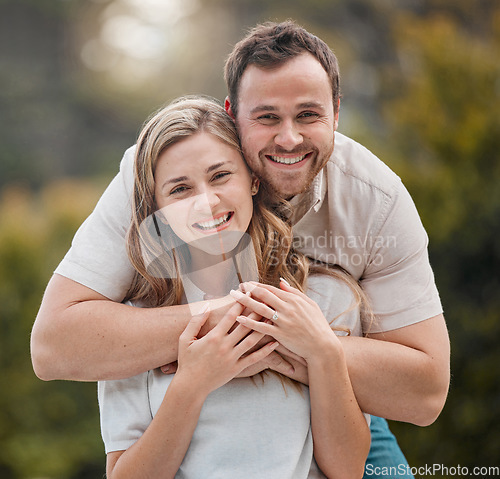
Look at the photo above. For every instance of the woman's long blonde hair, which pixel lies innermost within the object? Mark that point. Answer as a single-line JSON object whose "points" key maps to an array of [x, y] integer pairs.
{"points": [[269, 230]]}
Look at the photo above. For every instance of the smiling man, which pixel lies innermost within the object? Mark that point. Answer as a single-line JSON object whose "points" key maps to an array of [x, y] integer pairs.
{"points": [[348, 208]]}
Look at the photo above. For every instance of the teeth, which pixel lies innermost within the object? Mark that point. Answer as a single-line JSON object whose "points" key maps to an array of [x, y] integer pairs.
{"points": [[287, 161], [209, 225]]}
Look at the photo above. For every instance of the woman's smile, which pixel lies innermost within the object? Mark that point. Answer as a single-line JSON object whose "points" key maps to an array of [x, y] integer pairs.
{"points": [[215, 224]]}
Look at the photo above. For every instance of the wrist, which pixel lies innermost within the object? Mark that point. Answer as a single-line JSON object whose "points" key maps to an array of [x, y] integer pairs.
{"points": [[187, 389], [329, 352]]}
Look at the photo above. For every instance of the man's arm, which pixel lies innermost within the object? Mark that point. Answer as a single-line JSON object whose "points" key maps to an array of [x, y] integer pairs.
{"points": [[81, 335], [402, 374]]}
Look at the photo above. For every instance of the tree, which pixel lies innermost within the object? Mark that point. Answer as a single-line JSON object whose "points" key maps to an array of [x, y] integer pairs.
{"points": [[442, 108]]}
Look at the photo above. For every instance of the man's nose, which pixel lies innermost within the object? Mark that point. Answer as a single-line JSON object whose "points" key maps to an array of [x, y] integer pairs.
{"points": [[288, 136]]}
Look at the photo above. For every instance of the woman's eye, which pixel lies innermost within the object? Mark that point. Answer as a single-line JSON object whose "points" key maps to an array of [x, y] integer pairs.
{"points": [[178, 190], [219, 176]]}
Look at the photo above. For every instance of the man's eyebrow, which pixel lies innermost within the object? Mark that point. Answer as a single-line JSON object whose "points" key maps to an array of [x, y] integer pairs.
{"points": [[310, 104], [261, 108], [300, 106]]}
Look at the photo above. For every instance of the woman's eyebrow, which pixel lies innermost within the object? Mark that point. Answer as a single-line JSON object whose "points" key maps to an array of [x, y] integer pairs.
{"points": [[180, 179], [175, 180], [215, 166]]}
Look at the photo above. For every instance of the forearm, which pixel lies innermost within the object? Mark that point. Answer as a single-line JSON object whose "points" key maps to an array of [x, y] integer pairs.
{"points": [[161, 449], [97, 340], [398, 381], [340, 433], [81, 335]]}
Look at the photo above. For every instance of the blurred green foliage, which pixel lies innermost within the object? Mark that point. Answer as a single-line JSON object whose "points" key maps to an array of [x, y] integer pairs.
{"points": [[421, 84], [46, 429]]}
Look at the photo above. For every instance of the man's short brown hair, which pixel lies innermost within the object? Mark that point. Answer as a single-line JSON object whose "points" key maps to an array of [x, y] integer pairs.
{"points": [[269, 45]]}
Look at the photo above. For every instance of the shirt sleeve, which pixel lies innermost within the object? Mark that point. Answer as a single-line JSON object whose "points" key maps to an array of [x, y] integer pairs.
{"points": [[336, 301], [125, 411], [98, 258], [398, 279]]}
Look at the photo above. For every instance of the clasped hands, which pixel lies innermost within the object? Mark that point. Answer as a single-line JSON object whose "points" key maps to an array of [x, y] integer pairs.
{"points": [[283, 314]]}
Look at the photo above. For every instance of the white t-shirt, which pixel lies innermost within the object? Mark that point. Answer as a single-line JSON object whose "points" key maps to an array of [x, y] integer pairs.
{"points": [[357, 214], [247, 428]]}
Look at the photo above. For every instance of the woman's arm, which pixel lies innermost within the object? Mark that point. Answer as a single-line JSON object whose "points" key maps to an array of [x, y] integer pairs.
{"points": [[205, 364], [414, 359], [340, 433]]}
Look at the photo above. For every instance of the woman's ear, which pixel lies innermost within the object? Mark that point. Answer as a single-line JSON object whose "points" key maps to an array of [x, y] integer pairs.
{"points": [[255, 185]]}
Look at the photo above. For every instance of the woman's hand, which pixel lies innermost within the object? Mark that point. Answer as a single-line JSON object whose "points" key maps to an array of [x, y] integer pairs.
{"points": [[293, 319], [220, 355]]}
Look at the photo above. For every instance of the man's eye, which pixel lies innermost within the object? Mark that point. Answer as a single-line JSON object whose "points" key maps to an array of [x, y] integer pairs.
{"points": [[308, 116], [266, 119]]}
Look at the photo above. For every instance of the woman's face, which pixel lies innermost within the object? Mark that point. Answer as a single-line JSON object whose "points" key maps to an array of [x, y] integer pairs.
{"points": [[203, 189]]}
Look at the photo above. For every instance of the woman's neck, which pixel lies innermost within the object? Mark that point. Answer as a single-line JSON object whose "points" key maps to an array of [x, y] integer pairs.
{"points": [[215, 275]]}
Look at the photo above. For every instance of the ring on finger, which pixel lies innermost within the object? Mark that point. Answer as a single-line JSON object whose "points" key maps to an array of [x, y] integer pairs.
{"points": [[274, 317]]}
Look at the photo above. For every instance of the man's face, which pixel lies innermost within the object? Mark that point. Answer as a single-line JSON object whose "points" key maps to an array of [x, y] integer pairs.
{"points": [[286, 122]]}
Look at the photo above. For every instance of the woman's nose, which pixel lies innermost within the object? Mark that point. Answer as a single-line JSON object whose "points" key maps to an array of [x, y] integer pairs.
{"points": [[206, 201]]}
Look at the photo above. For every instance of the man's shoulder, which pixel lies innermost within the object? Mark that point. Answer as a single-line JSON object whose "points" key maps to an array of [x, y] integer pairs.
{"points": [[354, 162], [127, 160]]}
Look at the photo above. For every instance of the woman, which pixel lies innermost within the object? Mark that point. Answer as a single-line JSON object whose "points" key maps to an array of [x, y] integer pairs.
{"points": [[200, 226]]}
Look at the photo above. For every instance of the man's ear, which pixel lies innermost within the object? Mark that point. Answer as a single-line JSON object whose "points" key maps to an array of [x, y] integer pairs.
{"points": [[336, 117], [227, 106]]}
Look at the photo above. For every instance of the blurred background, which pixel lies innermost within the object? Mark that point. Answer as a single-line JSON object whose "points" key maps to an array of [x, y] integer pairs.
{"points": [[421, 89]]}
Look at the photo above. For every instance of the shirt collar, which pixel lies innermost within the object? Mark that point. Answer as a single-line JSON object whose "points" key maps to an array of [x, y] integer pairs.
{"points": [[312, 199]]}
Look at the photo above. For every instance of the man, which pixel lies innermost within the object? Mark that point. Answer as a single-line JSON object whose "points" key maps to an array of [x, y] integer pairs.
{"points": [[348, 209]]}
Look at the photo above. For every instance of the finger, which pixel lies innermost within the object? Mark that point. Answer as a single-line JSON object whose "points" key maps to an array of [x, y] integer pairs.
{"points": [[285, 288], [259, 326], [169, 368], [196, 323], [248, 342], [278, 363], [238, 333], [253, 315], [273, 297], [287, 354], [250, 285], [258, 355], [228, 320], [257, 306]]}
